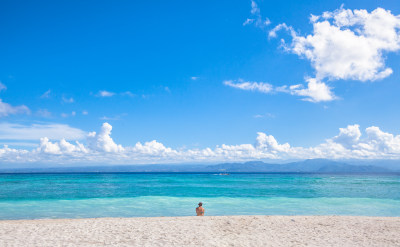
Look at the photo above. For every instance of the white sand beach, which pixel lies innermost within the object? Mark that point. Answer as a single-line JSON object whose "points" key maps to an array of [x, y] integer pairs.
{"points": [[204, 231]]}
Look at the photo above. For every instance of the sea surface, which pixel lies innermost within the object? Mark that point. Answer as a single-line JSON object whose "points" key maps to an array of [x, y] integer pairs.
{"points": [[37, 196]]}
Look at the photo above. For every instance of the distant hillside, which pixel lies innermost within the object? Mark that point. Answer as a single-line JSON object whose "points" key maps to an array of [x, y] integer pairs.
{"points": [[314, 165], [306, 166]]}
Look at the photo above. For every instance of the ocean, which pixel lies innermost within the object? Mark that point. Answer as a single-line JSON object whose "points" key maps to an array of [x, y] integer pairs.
{"points": [[89, 195]]}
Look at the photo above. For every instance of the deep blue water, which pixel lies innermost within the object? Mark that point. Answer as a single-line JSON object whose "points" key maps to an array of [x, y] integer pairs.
{"points": [[28, 196]]}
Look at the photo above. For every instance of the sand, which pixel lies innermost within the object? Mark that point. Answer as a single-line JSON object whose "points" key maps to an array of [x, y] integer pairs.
{"points": [[204, 231]]}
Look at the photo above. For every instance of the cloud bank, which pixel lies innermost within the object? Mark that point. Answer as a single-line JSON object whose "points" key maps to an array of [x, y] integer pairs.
{"points": [[350, 143]]}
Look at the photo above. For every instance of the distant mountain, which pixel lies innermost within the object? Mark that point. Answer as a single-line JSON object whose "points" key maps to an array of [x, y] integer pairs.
{"points": [[312, 165], [306, 166], [387, 164]]}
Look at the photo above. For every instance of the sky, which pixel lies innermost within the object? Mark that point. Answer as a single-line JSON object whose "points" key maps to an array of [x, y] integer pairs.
{"points": [[128, 82]]}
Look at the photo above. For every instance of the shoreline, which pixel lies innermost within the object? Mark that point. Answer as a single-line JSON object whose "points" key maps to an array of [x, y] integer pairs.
{"points": [[194, 216], [207, 230]]}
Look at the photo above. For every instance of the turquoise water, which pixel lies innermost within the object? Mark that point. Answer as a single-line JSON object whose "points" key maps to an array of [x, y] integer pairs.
{"points": [[32, 196]]}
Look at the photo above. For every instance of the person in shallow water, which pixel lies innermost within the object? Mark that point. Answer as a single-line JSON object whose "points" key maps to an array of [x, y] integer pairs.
{"points": [[200, 210]]}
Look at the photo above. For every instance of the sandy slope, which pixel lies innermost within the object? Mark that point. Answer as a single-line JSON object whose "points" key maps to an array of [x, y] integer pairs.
{"points": [[205, 231]]}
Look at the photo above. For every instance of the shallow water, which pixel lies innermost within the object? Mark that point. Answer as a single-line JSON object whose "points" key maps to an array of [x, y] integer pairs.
{"points": [[32, 196]]}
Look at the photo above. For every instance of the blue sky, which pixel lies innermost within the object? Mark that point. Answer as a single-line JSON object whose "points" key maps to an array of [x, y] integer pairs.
{"points": [[196, 75]]}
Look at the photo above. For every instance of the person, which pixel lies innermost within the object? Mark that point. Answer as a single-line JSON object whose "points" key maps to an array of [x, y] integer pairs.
{"points": [[200, 210]]}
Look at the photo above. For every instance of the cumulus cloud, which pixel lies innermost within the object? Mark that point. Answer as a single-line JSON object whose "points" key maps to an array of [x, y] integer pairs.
{"points": [[61, 147], [100, 147], [102, 141], [348, 136], [262, 87], [344, 45], [7, 109], [269, 144], [153, 148], [315, 91], [348, 44]]}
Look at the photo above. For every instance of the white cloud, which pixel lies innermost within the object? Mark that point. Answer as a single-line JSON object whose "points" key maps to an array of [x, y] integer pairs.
{"points": [[46, 94], [350, 44], [256, 17], [19, 143], [348, 136], [262, 87], [68, 100], [266, 115], [105, 93], [102, 141], [344, 45], [382, 141], [43, 113], [85, 112], [269, 143], [10, 131], [128, 93], [62, 147], [194, 78], [7, 109], [48, 147], [65, 115], [2, 86], [101, 148], [153, 148], [350, 144], [248, 21], [272, 32], [254, 8], [314, 92], [115, 117]]}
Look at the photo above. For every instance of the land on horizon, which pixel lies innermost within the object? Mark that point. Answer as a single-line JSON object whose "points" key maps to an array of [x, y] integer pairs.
{"points": [[305, 166]]}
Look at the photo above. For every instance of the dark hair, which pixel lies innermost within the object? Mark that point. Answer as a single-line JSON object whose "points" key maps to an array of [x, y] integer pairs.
{"points": [[200, 204]]}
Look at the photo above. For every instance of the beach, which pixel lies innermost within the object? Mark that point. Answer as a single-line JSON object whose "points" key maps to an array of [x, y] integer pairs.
{"points": [[204, 231]]}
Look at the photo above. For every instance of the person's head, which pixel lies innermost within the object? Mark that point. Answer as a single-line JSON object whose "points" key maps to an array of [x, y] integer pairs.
{"points": [[200, 204]]}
